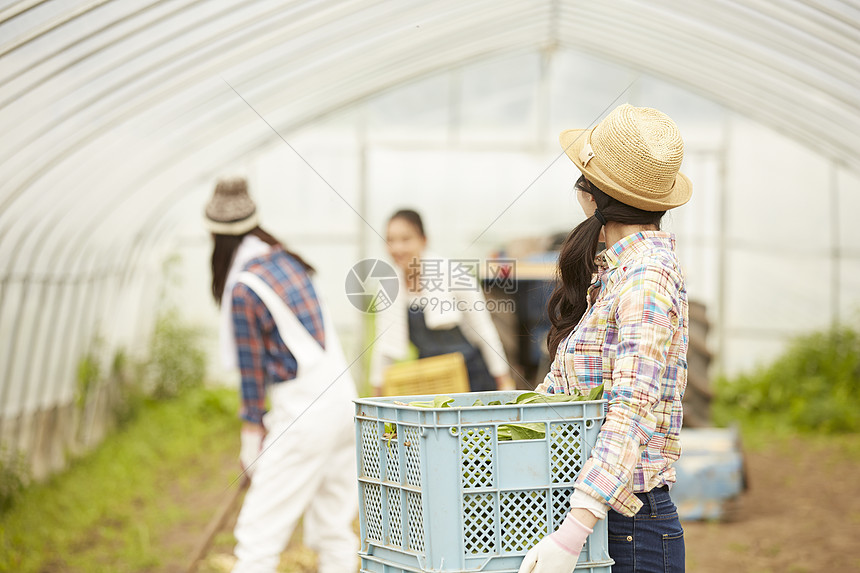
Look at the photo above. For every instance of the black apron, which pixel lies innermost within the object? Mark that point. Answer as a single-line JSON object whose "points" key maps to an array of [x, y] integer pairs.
{"points": [[435, 342]]}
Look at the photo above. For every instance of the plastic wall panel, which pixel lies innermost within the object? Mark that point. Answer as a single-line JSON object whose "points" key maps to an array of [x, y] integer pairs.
{"points": [[752, 352], [10, 391], [134, 128], [848, 208], [296, 200], [696, 227], [460, 193], [762, 212], [849, 287], [47, 345], [30, 354], [418, 110], [27, 313], [499, 100], [14, 305], [57, 369], [668, 43], [570, 103], [777, 294]]}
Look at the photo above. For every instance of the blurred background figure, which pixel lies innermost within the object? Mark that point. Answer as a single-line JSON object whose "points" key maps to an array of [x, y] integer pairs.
{"points": [[300, 454], [440, 310]]}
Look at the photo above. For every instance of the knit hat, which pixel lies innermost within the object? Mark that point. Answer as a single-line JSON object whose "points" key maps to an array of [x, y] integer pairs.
{"points": [[231, 211], [633, 155]]}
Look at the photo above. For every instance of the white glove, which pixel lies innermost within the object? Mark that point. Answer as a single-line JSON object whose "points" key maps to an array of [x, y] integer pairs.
{"points": [[251, 446], [559, 551]]}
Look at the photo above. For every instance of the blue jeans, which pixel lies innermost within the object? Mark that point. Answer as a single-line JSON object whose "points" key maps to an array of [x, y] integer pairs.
{"points": [[652, 541]]}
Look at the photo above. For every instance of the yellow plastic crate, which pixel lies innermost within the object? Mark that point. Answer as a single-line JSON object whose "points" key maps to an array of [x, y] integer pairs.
{"points": [[443, 374]]}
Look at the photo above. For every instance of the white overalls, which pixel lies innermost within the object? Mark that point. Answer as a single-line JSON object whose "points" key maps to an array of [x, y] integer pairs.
{"points": [[308, 460]]}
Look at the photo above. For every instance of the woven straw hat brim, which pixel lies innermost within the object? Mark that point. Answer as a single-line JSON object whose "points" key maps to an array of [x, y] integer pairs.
{"points": [[573, 140]]}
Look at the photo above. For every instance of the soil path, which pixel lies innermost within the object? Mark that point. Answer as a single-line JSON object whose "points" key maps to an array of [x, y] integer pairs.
{"points": [[801, 514]]}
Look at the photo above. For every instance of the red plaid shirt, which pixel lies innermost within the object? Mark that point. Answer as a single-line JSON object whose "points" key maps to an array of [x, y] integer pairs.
{"points": [[263, 356]]}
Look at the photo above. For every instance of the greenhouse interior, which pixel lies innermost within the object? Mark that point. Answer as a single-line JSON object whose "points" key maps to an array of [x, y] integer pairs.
{"points": [[120, 117]]}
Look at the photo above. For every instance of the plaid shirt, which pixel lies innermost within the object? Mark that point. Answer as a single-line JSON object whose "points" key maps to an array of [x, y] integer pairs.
{"points": [[263, 356], [632, 337]]}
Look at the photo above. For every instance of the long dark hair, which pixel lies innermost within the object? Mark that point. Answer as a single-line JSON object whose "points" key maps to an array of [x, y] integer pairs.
{"points": [[224, 251], [576, 265]]}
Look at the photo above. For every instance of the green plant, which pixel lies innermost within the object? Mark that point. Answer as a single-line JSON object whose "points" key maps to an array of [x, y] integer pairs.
{"points": [[813, 386], [210, 403], [135, 503], [88, 374], [126, 378], [14, 475], [176, 360]]}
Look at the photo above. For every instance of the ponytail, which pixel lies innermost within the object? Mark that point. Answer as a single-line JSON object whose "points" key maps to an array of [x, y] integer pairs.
{"points": [[576, 264], [576, 267]]}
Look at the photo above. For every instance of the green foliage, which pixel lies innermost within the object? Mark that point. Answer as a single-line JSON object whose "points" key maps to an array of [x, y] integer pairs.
{"points": [[176, 361], [118, 508], [214, 404], [441, 401], [595, 393], [813, 387], [126, 377], [14, 475], [88, 375], [521, 431], [436, 402]]}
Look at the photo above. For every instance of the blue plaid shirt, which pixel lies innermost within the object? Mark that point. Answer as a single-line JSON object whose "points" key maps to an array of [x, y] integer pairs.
{"points": [[263, 356]]}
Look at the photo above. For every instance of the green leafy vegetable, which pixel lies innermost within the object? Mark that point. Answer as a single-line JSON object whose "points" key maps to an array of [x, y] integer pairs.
{"points": [[523, 431], [538, 398], [596, 393], [437, 402]]}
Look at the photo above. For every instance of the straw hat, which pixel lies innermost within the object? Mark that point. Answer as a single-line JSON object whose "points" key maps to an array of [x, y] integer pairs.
{"points": [[231, 211], [633, 155]]}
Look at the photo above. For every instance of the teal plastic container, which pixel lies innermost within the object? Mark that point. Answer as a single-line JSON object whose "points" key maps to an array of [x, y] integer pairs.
{"points": [[439, 492]]}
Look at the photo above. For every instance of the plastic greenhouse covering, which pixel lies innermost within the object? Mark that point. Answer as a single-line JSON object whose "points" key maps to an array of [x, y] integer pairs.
{"points": [[118, 115]]}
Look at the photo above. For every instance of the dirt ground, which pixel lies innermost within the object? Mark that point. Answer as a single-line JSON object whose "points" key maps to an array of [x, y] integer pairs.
{"points": [[801, 514]]}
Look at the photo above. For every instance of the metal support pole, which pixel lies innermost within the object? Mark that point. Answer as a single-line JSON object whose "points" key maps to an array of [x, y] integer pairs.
{"points": [[835, 250], [722, 247], [365, 336], [454, 105], [544, 99], [363, 184]]}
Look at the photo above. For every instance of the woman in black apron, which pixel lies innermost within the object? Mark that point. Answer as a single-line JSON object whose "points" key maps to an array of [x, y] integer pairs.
{"points": [[435, 342], [441, 313]]}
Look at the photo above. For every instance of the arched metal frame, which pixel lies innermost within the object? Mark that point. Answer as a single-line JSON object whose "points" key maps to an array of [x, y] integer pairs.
{"points": [[795, 66]]}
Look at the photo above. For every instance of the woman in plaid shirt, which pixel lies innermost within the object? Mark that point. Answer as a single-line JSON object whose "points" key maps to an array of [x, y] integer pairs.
{"points": [[300, 453], [620, 319]]}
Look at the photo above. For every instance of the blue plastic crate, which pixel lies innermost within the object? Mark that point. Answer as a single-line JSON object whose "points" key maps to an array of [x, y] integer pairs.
{"points": [[446, 495], [709, 474]]}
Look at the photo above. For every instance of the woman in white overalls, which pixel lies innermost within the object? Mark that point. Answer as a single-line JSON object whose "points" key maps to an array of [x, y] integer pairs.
{"points": [[300, 455]]}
